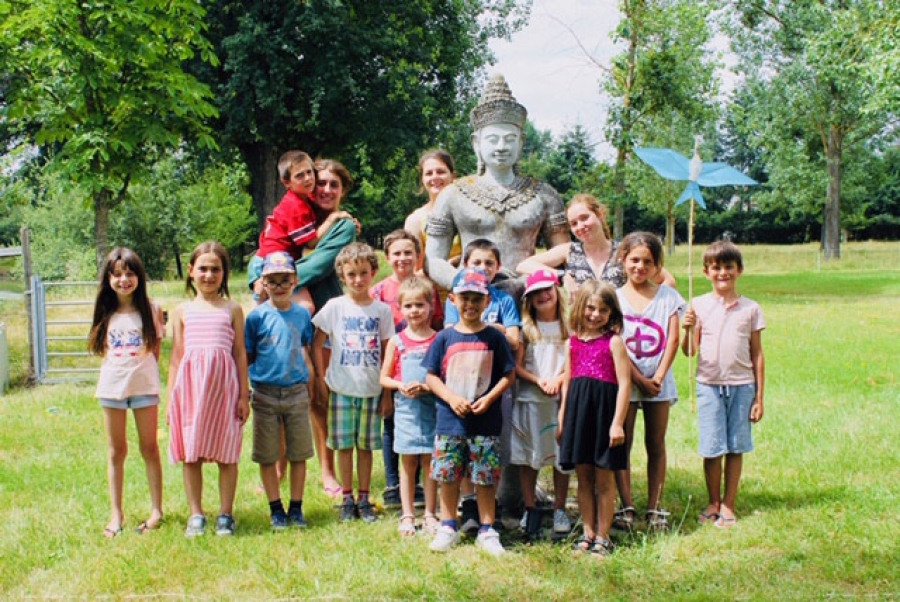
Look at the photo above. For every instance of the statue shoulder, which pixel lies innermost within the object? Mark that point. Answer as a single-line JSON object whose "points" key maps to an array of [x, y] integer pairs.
{"points": [[550, 196]]}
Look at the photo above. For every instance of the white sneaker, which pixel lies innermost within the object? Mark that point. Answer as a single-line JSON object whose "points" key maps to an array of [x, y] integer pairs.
{"points": [[445, 540], [489, 541], [561, 522], [524, 520]]}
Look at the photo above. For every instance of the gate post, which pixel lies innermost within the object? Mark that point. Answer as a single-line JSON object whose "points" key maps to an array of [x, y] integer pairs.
{"points": [[25, 236]]}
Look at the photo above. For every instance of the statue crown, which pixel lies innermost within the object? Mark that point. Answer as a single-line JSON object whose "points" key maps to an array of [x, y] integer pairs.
{"points": [[497, 105]]}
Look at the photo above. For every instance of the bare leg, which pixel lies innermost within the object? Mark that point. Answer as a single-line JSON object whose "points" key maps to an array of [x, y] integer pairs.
{"points": [[712, 471], [298, 480], [449, 500], [656, 420], [228, 477], [117, 439], [146, 420], [528, 477], [193, 486], [586, 499], [430, 485], [606, 501], [345, 468], [486, 495], [319, 415], [364, 469], [560, 489], [734, 463], [268, 474], [408, 465], [623, 477]]}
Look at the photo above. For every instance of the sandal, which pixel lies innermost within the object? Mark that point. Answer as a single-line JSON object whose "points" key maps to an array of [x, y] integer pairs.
{"points": [[431, 525], [656, 520], [110, 533], [407, 525], [624, 519], [725, 523], [602, 547], [583, 544], [707, 517], [146, 526]]}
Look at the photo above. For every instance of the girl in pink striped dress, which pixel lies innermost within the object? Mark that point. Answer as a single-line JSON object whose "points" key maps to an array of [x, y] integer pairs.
{"points": [[208, 386]]}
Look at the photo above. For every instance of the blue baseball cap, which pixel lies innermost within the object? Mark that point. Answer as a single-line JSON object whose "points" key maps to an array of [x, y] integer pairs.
{"points": [[471, 280], [278, 262]]}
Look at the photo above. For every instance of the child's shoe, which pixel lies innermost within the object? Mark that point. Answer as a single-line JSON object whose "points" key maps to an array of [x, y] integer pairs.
{"points": [[533, 524], [279, 521], [470, 522], [561, 522], [391, 497], [295, 518], [348, 512], [196, 526], [446, 539], [367, 512], [489, 541], [225, 525], [657, 521]]}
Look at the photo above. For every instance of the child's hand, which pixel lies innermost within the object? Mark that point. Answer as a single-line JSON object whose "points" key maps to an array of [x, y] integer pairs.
{"points": [[756, 411], [690, 319], [413, 390], [647, 386], [616, 435], [460, 405], [550, 386], [480, 406], [386, 407], [321, 392], [243, 409]]}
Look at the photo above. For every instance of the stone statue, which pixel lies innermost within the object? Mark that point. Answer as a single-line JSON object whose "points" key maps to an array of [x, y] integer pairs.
{"points": [[497, 203]]}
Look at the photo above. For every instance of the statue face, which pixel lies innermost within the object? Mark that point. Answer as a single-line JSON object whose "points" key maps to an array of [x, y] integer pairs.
{"points": [[499, 145]]}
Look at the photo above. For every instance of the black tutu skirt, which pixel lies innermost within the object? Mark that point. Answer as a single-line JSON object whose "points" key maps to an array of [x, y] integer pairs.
{"points": [[590, 409]]}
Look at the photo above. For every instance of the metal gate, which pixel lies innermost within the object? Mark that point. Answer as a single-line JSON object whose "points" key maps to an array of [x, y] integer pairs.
{"points": [[61, 321]]}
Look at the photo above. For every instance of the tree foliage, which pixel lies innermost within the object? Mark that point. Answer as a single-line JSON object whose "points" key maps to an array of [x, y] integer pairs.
{"points": [[99, 87], [369, 83]]}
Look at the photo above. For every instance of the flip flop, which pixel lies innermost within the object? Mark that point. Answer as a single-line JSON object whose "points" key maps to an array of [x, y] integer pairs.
{"points": [[704, 518], [145, 526], [109, 533], [725, 523], [335, 491]]}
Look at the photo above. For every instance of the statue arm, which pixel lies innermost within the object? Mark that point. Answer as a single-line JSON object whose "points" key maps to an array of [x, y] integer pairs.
{"points": [[556, 226], [440, 228]]}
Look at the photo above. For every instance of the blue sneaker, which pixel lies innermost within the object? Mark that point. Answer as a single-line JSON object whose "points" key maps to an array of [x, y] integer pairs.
{"points": [[348, 512], [279, 521], [225, 525], [295, 519]]}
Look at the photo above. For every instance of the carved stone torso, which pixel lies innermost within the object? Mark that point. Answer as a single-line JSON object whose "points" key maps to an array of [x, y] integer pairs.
{"points": [[513, 218]]}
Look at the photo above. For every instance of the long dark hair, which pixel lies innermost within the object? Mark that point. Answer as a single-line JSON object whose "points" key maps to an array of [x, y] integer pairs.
{"points": [[107, 302]]}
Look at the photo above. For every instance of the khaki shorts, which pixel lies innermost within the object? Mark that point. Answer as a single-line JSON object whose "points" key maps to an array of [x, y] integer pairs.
{"points": [[281, 412]]}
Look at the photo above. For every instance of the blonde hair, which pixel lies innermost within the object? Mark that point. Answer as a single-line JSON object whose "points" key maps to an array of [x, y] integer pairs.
{"points": [[529, 317], [414, 287], [352, 253], [596, 289], [593, 205]]}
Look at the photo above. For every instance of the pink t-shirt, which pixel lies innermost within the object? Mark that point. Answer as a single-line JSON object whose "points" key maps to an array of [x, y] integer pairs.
{"points": [[725, 339], [388, 291]]}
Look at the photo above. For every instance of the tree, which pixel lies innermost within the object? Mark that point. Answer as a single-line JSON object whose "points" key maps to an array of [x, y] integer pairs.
{"points": [[367, 82], [665, 66], [808, 68], [99, 86]]}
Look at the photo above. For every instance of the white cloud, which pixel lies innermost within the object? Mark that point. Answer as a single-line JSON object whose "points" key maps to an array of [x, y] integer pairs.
{"points": [[549, 72]]}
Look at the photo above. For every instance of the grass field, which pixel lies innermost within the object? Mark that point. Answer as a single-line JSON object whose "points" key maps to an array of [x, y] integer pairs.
{"points": [[817, 510]]}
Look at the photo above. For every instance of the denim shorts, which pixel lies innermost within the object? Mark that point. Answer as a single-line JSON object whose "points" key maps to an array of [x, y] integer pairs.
{"points": [[455, 455], [723, 415], [135, 402]]}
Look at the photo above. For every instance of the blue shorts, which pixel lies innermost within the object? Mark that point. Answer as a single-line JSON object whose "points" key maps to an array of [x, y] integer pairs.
{"points": [[135, 402], [723, 415], [455, 455]]}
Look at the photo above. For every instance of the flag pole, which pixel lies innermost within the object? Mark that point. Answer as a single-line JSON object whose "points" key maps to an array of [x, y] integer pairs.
{"points": [[690, 333]]}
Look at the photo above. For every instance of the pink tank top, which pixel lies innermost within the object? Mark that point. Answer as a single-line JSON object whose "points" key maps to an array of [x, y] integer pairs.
{"points": [[592, 359]]}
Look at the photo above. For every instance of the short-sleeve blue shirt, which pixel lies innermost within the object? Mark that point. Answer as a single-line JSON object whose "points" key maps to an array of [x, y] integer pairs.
{"points": [[501, 309], [277, 339], [470, 364]]}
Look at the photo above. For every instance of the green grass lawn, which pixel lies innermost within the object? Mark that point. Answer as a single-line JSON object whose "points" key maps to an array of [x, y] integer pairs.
{"points": [[817, 510]]}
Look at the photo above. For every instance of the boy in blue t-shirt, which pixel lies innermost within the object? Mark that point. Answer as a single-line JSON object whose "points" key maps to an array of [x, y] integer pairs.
{"points": [[469, 367], [277, 335]]}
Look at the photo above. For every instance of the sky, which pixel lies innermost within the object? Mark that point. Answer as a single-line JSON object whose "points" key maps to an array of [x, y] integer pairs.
{"points": [[551, 75]]}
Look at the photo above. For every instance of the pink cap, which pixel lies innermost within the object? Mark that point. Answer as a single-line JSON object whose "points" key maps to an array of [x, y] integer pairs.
{"points": [[540, 280]]}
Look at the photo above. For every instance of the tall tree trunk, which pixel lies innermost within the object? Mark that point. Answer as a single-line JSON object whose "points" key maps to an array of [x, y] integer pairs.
{"points": [[670, 228], [619, 211], [265, 186], [102, 204], [831, 228]]}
